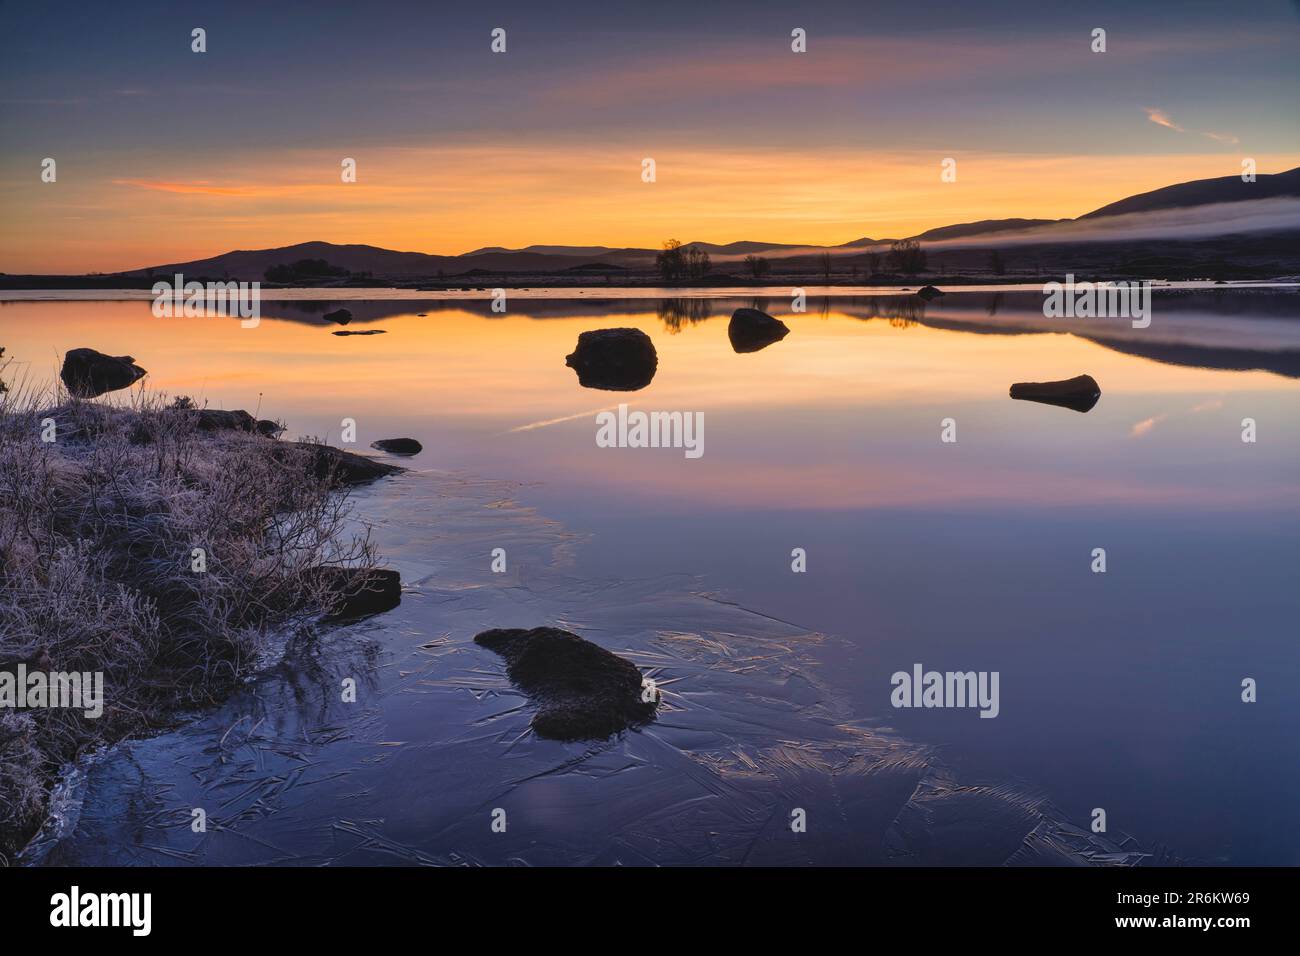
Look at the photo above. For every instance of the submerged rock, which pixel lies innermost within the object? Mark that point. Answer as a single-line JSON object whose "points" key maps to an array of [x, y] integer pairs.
{"points": [[582, 691], [618, 360], [1079, 393], [930, 292], [356, 592], [751, 330], [341, 316], [342, 467], [398, 446], [358, 332], [88, 373]]}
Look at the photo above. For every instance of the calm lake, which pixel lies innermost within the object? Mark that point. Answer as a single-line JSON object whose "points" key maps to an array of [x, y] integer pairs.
{"points": [[1119, 690]]}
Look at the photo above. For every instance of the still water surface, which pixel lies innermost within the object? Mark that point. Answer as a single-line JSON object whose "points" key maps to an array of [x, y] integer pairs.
{"points": [[1118, 690]]}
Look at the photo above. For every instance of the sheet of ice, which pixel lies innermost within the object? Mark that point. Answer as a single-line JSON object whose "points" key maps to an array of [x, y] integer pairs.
{"points": [[748, 733]]}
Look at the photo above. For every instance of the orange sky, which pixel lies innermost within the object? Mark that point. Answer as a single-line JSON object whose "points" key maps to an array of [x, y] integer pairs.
{"points": [[132, 211]]}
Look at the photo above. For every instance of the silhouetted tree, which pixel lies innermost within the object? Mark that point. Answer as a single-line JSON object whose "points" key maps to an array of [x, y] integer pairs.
{"points": [[698, 263], [824, 263], [995, 264], [304, 269], [671, 262], [757, 266], [906, 256]]}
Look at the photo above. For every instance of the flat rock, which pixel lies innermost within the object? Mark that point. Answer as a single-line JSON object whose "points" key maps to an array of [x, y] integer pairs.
{"points": [[752, 329], [88, 373], [582, 691], [359, 332], [341, 467], [398, 446], [619, 360]]}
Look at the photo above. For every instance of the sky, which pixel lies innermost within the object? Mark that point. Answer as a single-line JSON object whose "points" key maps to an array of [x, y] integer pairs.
{"points": [[163, 154]]}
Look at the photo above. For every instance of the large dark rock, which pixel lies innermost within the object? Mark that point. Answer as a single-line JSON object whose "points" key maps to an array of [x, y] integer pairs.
{"points": [[619, 360], [1079, 393], [88, 373], [582, 691], [356, 592], [340, 467], [398, 446], [341, 316], [751, 330], [930, 292]]}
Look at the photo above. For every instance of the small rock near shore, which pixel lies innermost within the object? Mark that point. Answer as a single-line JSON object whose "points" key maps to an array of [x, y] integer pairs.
{"points": [[398, 446], [236, 419], [582, 691], [341, 316], [930, 292], [356, 592], [343, 467]]}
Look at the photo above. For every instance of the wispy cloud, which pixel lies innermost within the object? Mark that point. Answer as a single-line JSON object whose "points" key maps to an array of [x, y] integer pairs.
{"points": [[1161, 118], [1225, 138], [198, 188]]}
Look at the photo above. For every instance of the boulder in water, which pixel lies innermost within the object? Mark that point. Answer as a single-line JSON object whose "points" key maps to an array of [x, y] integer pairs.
{"points": [[752, 329], [619, 360], [1079, 393], [88, 373], [398, 446], [582, 691]]}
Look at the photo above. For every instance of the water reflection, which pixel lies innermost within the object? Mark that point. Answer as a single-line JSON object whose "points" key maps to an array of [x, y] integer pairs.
{"points": [[680, 313], [1226, 329]]}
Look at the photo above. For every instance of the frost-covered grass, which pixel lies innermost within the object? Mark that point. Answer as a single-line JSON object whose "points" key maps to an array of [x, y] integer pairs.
{"points": [[98, 531]]}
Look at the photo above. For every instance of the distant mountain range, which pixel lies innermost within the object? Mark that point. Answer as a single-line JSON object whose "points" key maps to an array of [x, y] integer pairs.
{"points": [[545, 259]]}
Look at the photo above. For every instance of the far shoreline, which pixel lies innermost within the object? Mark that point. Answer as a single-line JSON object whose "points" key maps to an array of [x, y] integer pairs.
{"points": [[589, 292]]}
